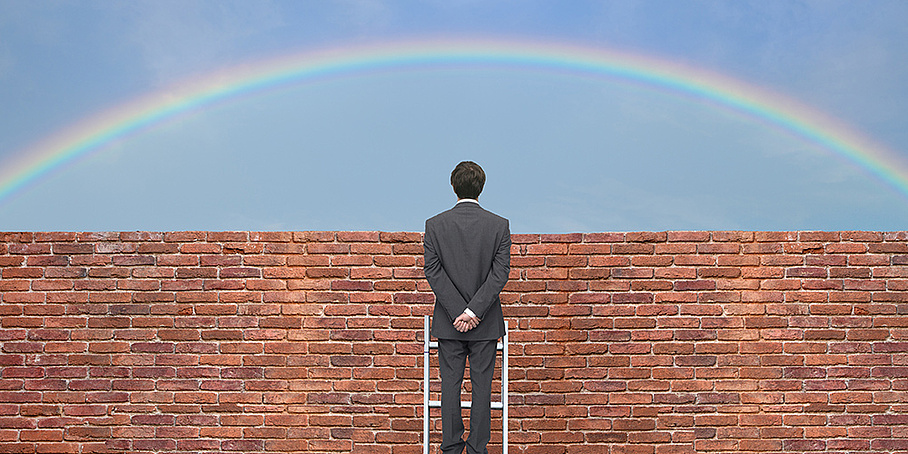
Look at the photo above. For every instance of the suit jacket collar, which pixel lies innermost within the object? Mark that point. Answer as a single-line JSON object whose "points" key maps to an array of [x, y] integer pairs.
{"points": [[467, 203], [464, 207]]}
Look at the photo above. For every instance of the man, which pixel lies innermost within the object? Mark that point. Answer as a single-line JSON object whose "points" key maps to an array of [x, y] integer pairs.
{"points": [[467, 262]]}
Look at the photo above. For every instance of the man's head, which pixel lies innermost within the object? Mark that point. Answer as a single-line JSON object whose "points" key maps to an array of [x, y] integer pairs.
{"points": [[467, 180]]}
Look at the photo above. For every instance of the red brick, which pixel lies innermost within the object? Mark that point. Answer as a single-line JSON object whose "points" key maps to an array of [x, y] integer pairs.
{"points": [[400, 237], [688, 237], [547, 249], [268, 341]]}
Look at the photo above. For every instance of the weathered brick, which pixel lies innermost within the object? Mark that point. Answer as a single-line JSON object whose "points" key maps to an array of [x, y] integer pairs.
{"points": [[188, 340]]}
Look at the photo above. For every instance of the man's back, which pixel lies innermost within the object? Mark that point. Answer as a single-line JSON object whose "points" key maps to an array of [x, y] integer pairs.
{"points": [[468, 258], [468, 247]]}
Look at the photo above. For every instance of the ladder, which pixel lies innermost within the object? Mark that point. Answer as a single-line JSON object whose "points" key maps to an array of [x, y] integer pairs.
{"points": [[426, 403]]}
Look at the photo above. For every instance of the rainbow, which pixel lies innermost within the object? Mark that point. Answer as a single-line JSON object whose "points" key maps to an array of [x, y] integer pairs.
{"points": [[92, 134]]}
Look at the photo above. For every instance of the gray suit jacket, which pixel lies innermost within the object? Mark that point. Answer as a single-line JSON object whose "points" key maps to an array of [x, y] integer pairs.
{"points": [[467, 262]]}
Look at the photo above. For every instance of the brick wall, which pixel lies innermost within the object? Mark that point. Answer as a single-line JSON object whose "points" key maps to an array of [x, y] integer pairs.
{"points": [[311, 341]]}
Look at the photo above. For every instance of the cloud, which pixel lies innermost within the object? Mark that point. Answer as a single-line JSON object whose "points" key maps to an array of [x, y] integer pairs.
{"points": [[364, 15], [6, 61], [841, 56], [177, 38], [24, 25]]}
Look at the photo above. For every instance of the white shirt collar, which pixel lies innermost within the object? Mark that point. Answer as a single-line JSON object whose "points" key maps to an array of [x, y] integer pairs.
{"points": [[468, 200]]}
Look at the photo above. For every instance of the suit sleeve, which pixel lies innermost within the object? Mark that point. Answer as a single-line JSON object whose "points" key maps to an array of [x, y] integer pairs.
{"points": [[497, 278], [446, 294]]}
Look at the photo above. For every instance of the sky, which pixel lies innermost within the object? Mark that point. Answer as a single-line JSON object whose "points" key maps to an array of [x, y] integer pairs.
{"points": [[372, 148]]}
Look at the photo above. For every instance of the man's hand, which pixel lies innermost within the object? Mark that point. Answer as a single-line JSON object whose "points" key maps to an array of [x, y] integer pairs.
{"points": [[464, 323]]}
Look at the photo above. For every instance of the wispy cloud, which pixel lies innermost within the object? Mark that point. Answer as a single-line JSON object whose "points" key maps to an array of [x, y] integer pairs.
{"points": [[179, 37], [6, 60], [364, 15]]}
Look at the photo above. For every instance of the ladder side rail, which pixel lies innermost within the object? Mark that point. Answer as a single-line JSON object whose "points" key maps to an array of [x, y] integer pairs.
{"points": [[504, 394], [425, 391]]}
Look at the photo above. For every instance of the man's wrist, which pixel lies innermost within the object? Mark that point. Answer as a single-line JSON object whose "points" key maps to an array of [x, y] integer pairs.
{"points": [[469, 312]]}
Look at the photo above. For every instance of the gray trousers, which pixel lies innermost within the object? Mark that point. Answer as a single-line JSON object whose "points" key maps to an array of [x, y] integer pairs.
{"points": [[452, 357]]}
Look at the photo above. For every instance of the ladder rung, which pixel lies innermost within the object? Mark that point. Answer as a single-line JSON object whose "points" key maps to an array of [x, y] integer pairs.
{"points": [[434, 344], [464, 404]]}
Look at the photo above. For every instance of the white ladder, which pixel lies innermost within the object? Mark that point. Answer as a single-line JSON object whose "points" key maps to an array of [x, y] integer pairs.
{"points": [[426, 403]]}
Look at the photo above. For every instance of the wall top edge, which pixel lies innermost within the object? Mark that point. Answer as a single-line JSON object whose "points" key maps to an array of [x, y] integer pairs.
{"points": [[409, 237]]}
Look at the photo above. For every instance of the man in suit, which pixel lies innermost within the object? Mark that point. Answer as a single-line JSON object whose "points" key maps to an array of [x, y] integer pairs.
{"points": [[467, 262]]}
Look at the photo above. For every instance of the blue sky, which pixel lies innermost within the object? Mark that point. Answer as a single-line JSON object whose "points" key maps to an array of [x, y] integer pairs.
{"points": [[373, 151]]}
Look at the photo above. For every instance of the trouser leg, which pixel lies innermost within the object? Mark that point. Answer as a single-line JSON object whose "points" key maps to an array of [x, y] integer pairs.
{"points": [[452, 356], [482, 368]]}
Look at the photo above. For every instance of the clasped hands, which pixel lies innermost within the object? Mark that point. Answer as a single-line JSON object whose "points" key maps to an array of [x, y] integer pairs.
{"points": [[464, 323]]}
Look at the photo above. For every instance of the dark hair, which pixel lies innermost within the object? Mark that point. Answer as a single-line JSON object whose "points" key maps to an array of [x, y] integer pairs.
{"points": [[468, 179]]}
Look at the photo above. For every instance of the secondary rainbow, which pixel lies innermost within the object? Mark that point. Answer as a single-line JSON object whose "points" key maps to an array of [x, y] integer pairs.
{"points": [[777, 111]]}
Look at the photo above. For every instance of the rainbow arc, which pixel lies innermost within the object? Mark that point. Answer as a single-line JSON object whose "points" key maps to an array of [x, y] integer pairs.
{"points": [[94, 133]]}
